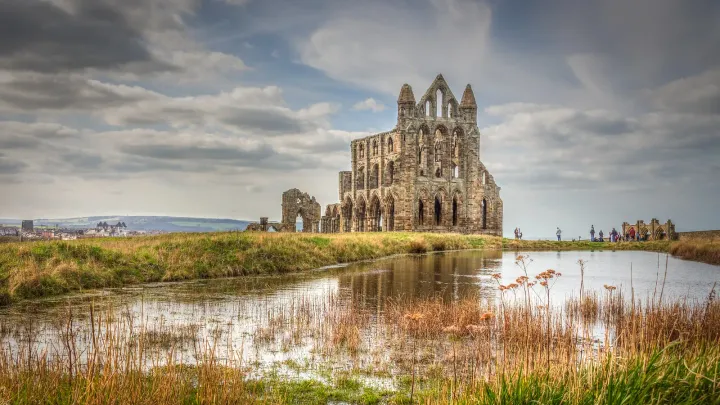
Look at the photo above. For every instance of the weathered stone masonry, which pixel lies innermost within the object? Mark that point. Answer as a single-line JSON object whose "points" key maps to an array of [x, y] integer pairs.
{"points": [[424, 175]]}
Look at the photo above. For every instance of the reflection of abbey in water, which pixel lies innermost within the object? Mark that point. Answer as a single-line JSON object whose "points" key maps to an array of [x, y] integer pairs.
{"points": [[423, 175], [445, 276]]}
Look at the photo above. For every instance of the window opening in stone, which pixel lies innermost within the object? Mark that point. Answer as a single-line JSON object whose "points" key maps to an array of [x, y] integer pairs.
{"points": [[374, 176], [484, 214], [439, 103], [299, 223], [421, 213], [390, 144], [484, 180], [455, 212], [361, 151], [455, 171], [360, 179], [438, 211], [391, 172], [376, 215], [449, 109], [390, 214], [361, 217], [438, 151], [347, 214], [438, 173], [427, 108], [375, 148]]}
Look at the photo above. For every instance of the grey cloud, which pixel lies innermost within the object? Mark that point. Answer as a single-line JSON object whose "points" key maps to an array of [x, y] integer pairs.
{"points": [[83, 160], [262, 157], [268, 120], [8, 166], [16, 142], [65, 92], [177, 152], [555, 148], [42, 37]]}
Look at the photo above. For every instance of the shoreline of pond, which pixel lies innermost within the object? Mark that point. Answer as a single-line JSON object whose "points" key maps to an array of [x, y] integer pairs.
{"points": [[53, 268]]}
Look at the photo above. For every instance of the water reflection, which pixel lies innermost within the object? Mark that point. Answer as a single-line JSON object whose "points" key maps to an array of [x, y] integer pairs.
{"points": [[449, 276]]}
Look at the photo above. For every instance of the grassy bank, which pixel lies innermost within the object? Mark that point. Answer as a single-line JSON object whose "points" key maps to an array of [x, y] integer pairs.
{"points": [[39, 269]]}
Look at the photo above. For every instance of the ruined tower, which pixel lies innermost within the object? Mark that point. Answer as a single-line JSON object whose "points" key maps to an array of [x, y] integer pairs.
{"points": [[424, 175]]}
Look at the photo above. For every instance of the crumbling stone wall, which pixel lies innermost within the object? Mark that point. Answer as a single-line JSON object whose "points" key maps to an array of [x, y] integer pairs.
{"points": [[296, 203], [654, 230], [425, 174]]}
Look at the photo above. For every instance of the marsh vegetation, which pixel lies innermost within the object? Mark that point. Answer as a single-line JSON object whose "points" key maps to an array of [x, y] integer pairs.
{"points": [[446, 328]]}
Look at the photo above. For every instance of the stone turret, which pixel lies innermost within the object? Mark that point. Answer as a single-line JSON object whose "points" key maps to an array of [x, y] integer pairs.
{"points": [[468, 106], [406, 102]]}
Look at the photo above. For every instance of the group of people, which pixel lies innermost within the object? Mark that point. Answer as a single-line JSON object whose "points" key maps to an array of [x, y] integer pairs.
{"points": [[518, 233], [616, 236]]}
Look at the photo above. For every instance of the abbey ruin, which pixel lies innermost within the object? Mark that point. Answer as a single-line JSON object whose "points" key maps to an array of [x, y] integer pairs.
{"points": [[423, 175]]}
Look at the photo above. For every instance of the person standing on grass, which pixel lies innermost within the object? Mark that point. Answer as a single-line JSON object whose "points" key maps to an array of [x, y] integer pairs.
{"points": [[632, 233], [592, 233], [519, 234], [558, 232], [601, 236], [517, 231]]}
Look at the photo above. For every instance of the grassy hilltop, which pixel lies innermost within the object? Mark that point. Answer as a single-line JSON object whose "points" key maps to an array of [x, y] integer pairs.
{"points": [[39, 269]]}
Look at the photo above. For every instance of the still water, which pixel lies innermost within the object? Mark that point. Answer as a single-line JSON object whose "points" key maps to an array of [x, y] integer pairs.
{"points": [[238, 314]]}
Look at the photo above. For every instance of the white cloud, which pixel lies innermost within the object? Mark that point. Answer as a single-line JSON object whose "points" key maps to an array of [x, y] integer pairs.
{"points": [[369, 104], [382, 47], [700, 93]]}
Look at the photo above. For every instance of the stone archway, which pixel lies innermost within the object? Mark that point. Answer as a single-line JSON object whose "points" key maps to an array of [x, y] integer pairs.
{"points": [[375, 211], [390, 213], [361, 215], [296, 203]]}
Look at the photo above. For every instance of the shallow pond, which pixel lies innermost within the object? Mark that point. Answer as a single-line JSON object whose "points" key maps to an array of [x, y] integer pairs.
{"points": [[281, 319]]}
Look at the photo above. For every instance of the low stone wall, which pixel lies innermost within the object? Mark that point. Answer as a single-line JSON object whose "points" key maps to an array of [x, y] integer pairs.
{"points": [[699, 235]]}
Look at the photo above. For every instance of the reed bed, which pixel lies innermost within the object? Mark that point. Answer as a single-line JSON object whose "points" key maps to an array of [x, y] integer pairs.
{"points": [[519, 346], [701, 251]]}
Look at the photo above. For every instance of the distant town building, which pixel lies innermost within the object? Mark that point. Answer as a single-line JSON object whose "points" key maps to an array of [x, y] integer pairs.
{"points": [[27, 225]]}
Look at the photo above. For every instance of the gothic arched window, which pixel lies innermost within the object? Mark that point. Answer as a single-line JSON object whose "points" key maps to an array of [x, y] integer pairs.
{"points": [[390, 144]]}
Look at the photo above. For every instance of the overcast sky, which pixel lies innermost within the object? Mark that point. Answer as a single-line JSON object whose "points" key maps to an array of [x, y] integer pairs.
{"points": [[591, 112]]}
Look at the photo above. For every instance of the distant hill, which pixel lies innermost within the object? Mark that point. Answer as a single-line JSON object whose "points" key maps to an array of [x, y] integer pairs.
{"points": [[144, 223]]}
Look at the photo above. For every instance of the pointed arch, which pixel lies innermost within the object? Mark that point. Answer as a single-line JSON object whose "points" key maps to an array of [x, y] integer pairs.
{"points": [[360, 214], [390, 173], [390, 144], [439, 99], [360, 178], [438, 205], [375, 214], [422, 207], [346, 213], [390, 212], [373, 180], [457, 202]]}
